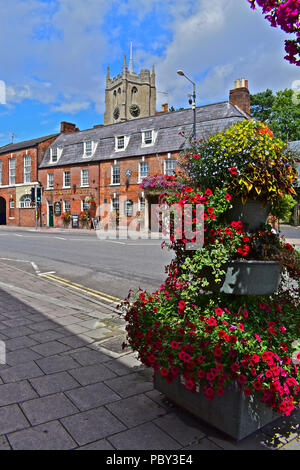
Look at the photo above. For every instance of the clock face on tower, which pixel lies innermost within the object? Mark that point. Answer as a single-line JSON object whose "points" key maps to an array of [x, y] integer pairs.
{"points": [[116, 113], [134, 110]]}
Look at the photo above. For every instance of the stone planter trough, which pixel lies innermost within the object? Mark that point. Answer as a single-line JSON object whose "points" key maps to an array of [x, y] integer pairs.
{"points": [[233, 413], [246, 278]]}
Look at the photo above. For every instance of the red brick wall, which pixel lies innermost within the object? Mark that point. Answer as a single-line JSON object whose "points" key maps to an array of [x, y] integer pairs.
{"points": [[75, 194], [17, 216], [133, 192]]}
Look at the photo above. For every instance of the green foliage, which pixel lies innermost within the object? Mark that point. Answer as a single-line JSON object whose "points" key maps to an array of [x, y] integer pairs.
{"points": [[283, 210], [281, 112]]}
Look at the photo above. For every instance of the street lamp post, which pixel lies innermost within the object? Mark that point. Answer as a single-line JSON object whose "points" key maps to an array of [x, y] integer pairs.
{"points": [[180, 72]]}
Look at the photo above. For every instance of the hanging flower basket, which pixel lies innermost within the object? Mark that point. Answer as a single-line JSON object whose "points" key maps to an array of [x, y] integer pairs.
{"points": [[247, 277], [253, 214]]}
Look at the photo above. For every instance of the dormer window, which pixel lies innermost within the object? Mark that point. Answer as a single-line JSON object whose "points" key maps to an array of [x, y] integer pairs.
{"points": [[55, 153], [54, 156], [121, 142], [148, 137], [89, 147]]}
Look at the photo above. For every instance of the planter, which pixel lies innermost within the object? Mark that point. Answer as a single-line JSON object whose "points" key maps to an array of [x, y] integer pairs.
{"points": [[253, 214], [233, 413], [246, 278]]}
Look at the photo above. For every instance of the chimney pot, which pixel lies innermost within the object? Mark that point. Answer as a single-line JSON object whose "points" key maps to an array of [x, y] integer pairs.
{"points": [[165, 107]]}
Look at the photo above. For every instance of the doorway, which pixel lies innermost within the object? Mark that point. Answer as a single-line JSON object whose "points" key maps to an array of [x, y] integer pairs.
{"points": [[2, 211], [50, 214]]}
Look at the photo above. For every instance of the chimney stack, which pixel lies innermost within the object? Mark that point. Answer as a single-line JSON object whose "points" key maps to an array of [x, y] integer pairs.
{"points": [[164, 108], [240, 95], [67, 127]]}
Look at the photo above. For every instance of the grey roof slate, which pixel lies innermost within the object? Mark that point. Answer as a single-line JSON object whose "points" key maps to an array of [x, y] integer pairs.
{"points": [[209, 119], [13, 147]]}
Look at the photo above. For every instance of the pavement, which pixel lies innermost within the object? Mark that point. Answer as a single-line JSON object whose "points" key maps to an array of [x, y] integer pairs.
{"points": [[67, 383]]}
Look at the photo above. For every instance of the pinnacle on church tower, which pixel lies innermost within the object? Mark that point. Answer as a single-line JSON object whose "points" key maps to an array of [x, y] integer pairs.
{"points": [[130, 62]]}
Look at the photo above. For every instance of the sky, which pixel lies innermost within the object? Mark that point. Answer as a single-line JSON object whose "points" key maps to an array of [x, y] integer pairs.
{"points": [[54, 55]]}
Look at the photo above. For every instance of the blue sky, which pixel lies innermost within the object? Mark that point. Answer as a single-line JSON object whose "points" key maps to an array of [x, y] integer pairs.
{"points": [[54, 54]]}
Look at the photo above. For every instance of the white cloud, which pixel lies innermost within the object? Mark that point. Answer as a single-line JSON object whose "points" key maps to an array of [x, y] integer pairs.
{"points": [[56, 51], [71, 108]]}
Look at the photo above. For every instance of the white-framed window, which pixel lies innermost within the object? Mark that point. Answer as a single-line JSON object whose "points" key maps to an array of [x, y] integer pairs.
{"points": [[128, 208], [169, 167], [89, 147], [84, 205], [121, 142], [0, 172], [148, 137], [115, 204], [50, 180], [27, 169], [25, 202], [54, 154], [115, 174], [67, 205], [85, 177], [12, 171], [11, 203], [143, 170], [67, 179]]}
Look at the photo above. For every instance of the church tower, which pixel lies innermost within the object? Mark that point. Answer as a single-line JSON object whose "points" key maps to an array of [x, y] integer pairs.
{"points": [[129, 95]]}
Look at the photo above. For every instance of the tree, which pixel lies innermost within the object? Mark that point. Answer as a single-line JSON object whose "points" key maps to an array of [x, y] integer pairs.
{"points": [[284, 14], [280, 111]]}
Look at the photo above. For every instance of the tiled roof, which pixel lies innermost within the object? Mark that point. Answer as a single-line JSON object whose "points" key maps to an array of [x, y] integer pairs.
{"points": [[209, 120], [13, 147]]}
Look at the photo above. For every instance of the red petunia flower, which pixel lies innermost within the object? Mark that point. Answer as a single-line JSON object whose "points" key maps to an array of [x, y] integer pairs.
{"points": [[233, 171], [228, 197]]}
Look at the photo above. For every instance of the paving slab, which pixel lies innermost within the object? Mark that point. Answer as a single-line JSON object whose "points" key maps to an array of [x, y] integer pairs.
{"points": [[131, 384], [56, 364], [92, 396], [53, 383], [21, 372], [12, 419], [21, 356], [16, 393], [51, 348], [135, 410], [144, 437], [48, 436], [4, 445], [87, 375], [92, 425], [41, 410]]}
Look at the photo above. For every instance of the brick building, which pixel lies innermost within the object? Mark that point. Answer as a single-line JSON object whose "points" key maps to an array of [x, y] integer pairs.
{"points": [[18, 174], [107, 163]]}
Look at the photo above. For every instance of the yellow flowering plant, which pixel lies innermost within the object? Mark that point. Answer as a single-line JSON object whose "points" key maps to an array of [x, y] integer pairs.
{"points": [[245, 158]]}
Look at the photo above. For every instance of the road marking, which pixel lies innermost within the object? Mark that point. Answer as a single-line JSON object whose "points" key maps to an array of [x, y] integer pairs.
{"points": [[35, 267], [87, 288], [81, 288], [49, 272], [60, 238]]}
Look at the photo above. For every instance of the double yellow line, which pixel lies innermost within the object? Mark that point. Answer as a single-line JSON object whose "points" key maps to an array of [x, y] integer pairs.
{"points": [[86, 290]]}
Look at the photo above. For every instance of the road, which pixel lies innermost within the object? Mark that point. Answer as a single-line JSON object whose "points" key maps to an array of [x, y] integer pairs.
{"points": [[110, 266]]}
